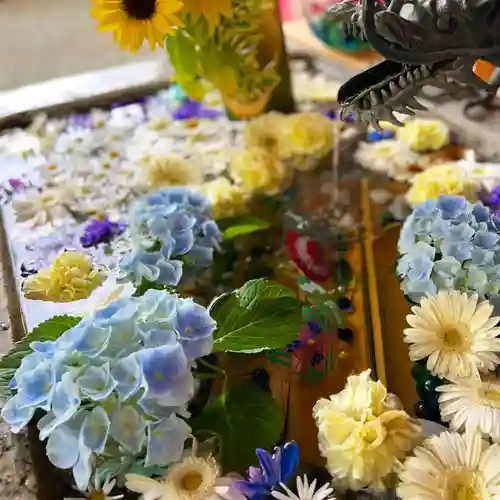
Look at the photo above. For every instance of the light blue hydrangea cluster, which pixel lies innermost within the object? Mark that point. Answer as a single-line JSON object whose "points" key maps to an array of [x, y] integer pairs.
{"points": [[121, 378], [450, 243], [171, 231]]}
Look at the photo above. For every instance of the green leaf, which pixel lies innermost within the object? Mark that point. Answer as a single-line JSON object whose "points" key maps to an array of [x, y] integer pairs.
{"points": [[53, 328], [150, 285], [260, 315], [245, 225], [245, 419]]}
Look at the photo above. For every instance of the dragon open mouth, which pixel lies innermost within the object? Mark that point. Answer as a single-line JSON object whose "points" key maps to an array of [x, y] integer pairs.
{"points": [[389, 86]]}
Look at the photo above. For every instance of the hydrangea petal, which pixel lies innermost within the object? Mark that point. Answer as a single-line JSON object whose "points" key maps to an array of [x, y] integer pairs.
{"points": [[16, 417], [95, 429], [96, 382], [128, 429], [62, 447], [128, 375]]}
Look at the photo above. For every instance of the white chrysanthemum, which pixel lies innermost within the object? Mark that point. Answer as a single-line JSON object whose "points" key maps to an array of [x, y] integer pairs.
{"points": [[192, 478], [455, 333], [305, 491], [391, 157], [451, 466], [472, 405], [363, 433]]}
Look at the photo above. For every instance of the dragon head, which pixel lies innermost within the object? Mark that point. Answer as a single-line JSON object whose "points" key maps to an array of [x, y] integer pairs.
{"points": [[425, 42]]}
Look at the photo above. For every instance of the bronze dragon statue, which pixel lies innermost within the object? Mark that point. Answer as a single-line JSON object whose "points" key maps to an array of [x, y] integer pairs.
{"points": [[424, 43]]}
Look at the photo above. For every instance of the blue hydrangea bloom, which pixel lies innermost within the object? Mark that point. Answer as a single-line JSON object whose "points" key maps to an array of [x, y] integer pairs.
{"points": [[449, 243], [278, 467], [121, 377], [171, 230]]}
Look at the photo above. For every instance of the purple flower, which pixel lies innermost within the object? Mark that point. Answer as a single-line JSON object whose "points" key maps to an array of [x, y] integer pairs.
{"points": [[275, 468], [190, 109], [100, 230], [16, 184], [492, 199]]}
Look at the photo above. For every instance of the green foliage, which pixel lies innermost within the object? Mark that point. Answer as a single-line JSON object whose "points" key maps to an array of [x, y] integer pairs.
{"points": [[260, 315], [245, 225], [51, 329], [150, 285], [244, 418]]}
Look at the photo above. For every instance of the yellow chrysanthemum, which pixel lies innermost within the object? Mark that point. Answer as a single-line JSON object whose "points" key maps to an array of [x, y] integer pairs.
{"points": [[164, 171], [211, 10], [424, 135], [265, 132], [72, 276], [227, 199], [440, 180], [257, 170], [363, 433], [306, 134], [133, 21]]}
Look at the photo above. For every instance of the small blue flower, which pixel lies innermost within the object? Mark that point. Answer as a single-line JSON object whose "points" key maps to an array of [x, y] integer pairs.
{"points": [[36, 387], [100, 230], [15, 416], [96, 383], [481, 213], [486, 239], [453, 206], [415, 290], [446, 271], [128, 375], [62, 447], [275, 468], [166, 440], [156, 308], [128, 428], [95, 429], [195, 327]]}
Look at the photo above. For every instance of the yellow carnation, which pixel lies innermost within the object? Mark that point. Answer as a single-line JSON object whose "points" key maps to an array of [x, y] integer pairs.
{"points": [[257, 170], [363, 432], [227, 199], [306, 134], [447, 179], [72, 276], [424, 135], [265, 132], [164, 171]]}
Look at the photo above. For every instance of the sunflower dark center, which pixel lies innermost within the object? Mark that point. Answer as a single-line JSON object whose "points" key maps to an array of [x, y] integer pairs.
{"points": [[141, 10]]}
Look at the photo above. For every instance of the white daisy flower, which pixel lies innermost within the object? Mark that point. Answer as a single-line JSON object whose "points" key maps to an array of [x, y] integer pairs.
{"points": [[305, 491], [451, 466], [98, 491], [455, 333], [472, 404]]}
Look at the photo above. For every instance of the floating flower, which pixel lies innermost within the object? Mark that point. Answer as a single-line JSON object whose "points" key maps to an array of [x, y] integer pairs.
{"points": [[306, 134], [100, 230], [193, 478], [455, 333], [390, 157], [259, 171], [227, 199], [72, 276], [447, 179], [190, 108], [98, 491], [451, 466], [305, 491], [363, 432], [133, 21], [42, 207], [449, 244], [265, 132], [424, 135], [472, 405], [275, 469], [212, 11], [162, 171]]}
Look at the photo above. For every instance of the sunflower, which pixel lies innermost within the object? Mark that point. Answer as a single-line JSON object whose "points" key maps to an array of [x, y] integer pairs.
{"points": [[472, 405], [211, 10], [134, 21], [451, 466], [455, 333]]}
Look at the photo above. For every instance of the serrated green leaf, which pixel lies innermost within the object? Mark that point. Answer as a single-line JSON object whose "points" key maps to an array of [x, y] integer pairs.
{"points": [[245, 225], [261, 315], [53, 328], [246, 419]]}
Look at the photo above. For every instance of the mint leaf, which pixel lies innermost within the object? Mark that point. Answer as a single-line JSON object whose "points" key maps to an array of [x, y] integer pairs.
{"points": [[245, 419], [261, 315], [246, 225]]}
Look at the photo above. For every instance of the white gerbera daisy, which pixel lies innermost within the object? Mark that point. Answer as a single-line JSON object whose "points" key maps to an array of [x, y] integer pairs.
{"points": [[305, 491], [98, 491], [192, 478], [451, 466], [472, 404], [455, 333]]}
